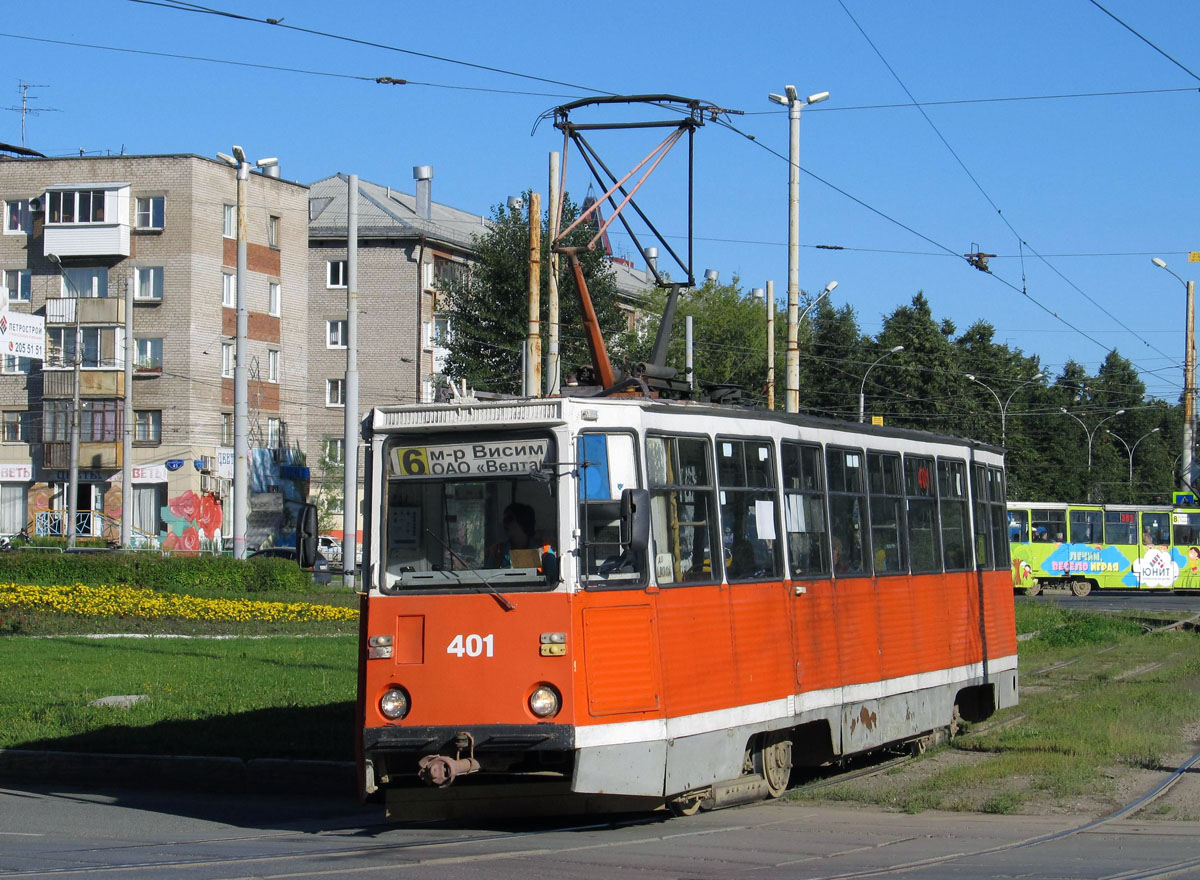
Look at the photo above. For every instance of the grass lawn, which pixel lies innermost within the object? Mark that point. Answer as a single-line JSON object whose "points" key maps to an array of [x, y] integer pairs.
{"points": [[277, 696], [1124, 702]]}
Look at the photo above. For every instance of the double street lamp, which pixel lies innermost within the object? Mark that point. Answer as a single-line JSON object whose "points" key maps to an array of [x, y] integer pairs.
{"points": [[1003, 405], [1091, 434], [862, 389], [1132, 449]]}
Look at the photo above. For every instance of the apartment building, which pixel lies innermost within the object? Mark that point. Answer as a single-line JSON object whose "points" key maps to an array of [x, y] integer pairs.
{"points": [[407, 244], [80, 232]]}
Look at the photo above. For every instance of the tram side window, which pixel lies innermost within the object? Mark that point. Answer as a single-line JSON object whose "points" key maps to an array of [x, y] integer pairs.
{"points": [[804, 510], [1049, 524], [996, 497], [1085, 526], [847, 511], [681, 510], [1120, 527], [924, 542], [1018, 526], [983, 520], [1186, 529], [608, 465], [746, 480], [1156, 529], [887, 517], [952, 503]]}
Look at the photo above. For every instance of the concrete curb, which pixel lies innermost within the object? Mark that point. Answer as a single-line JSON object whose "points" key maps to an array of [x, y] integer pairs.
{"points": [[180, 772]]}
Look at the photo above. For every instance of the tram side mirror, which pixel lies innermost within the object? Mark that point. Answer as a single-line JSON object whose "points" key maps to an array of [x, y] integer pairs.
{"points": [[635, 519], [306, 536]]}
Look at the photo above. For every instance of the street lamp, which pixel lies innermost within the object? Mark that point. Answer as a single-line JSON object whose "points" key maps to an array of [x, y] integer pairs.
{"points": [[1187, 467], [1132, 450], [862, 389], [829, 288], [792, 100], [1004, 406], [1090, 435], [73, 455], [241, 383]]}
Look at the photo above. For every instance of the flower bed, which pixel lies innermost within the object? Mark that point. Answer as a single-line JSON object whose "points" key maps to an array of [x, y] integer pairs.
{"points": [[122, 601]]}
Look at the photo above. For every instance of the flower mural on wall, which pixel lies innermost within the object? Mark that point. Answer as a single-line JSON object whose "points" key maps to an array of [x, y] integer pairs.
{"points": [[193, 523]]}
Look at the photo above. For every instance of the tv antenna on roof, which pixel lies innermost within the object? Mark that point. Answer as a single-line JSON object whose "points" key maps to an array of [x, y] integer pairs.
{"points": [[25, 109]]}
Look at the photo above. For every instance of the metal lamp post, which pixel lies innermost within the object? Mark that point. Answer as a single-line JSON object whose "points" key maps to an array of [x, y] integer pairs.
{"points": [[862, 389], [1003, 405], [1188, 463], [1090, 436], [241, 376], [792, 100], [1132, 449]]}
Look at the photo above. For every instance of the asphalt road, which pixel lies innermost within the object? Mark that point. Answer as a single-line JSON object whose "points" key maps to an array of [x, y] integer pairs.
{"points": [[56, 833], [1122, 600]]}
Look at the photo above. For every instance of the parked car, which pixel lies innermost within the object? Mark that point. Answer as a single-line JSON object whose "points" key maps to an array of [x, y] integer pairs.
{"points": [[330, 547], [320, 569]]}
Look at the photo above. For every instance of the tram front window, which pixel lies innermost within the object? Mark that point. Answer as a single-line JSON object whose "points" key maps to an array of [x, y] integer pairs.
{"points": [[465, 530]]}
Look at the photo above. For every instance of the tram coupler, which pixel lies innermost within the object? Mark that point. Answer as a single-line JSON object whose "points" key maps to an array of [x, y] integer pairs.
{"points": [[440, 771]]}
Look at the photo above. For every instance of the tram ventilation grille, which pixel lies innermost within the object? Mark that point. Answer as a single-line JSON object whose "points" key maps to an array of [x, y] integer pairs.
{"points": [[484, 414]]}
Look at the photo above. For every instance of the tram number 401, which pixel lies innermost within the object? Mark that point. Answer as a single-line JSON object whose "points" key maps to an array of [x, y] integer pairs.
{"points": [[473, 645]]}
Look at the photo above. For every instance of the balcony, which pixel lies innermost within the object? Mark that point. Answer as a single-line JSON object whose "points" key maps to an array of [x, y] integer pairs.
{"points": [[147, 368], [92, 310], [87, 220], [92, 456], [92, 383]]}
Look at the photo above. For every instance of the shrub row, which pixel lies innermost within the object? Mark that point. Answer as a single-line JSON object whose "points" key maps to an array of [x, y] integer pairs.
{"points": [[174, 574]]}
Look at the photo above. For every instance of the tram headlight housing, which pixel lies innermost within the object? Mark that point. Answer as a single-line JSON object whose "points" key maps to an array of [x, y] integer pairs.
{"points": [[394, 704], [545, 701]]}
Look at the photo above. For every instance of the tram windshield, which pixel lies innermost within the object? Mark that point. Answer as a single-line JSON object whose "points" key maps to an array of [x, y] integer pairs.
{"points": [[470, 515]]}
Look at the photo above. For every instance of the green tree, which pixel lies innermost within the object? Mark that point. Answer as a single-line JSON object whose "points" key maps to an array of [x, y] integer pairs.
{"points": [[831, 355], [488, 308]]}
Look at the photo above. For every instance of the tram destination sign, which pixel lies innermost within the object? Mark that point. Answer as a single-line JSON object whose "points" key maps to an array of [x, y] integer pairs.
{"points": [[500, 458]]}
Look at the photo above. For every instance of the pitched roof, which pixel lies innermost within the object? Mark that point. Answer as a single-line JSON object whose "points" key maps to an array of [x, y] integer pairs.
{"points": [[386, 213]]}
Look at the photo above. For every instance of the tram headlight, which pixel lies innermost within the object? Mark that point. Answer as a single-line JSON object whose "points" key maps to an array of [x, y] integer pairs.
{"points": [[544, 701], [394, 704]]}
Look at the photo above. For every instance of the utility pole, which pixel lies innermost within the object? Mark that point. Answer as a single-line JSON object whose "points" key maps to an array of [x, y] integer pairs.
{"points": [[350, 439], [553, 364], [533, 339], [794, 104], [1187, 463], [127, 435], [241, 379]]}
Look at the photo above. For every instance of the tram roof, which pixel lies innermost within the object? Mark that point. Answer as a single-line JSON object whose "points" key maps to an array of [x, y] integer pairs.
{"points": [[547, 410]]}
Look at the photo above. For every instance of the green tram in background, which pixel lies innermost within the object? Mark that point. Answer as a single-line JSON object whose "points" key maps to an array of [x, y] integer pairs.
{"points": [[1103, 546]]}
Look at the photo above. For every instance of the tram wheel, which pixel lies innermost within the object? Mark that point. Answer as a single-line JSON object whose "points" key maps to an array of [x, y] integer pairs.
{"points": [[775, 762], [1081, 587], [686, 804], [1035, 590]]}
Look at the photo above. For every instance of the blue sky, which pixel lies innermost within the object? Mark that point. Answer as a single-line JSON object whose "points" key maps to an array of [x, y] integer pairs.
{"points": [[1095, 185]]}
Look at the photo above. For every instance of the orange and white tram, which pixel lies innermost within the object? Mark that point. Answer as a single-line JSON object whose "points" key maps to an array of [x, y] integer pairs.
{"points": [[696, 599]]}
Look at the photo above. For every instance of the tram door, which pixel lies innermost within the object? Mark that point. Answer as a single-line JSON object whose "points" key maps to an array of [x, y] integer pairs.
{"points": [[1154, 566]]}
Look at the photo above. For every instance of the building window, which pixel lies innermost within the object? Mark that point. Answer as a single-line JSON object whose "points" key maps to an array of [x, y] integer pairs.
{"points": [[19, 283], [75, 206], [148, 356], [227, 359], [273, 231], [229, 222], [335, 450], [274, 298], [273, 366], [274, 433], [335, 336], [89, 283], [17, 219], [335, 392], [226, 429], [448, 272], [100, 421], [147, 425], [16, 426], [56, 421], [335, 273], [14, 510], [149, 213], [60, 346], [148, 283], [14, 364], [228, 290]]}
